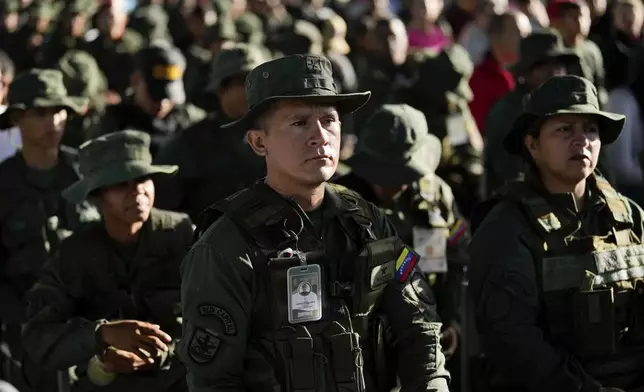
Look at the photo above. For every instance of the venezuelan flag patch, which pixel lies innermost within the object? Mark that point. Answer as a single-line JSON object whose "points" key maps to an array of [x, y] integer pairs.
{"points": [[456, 232], [405, 264]]}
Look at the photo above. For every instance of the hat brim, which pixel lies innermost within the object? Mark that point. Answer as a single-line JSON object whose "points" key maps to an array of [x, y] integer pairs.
{"points": [[112, 175], [566, 56], [610, 125], [75, 104], [370, 168], [345, 103]]}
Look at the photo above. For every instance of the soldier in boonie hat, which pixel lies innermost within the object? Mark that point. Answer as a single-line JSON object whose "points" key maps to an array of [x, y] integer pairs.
{"points": [[116, 158], [295, 77], [562, 95], [39, 88], [395, 148]]}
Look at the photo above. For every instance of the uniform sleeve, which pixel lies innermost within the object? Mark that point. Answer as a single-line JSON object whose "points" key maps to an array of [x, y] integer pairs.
{"points": [[216, 293], [504, 290], [53, 337], [411, 312]]}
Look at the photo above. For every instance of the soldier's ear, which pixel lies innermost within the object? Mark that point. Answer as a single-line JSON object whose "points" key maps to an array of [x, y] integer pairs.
{"points": [[255, 139]]}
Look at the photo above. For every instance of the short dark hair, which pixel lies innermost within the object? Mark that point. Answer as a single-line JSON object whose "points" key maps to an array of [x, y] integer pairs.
{"points": [[260, 121]]}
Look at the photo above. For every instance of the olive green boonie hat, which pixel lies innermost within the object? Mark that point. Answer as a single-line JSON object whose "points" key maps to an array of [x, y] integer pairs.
{"points": [[562, 95], [39, 88], [395, 147], [541, 46], [237, 60], [113, 159], [295, 77]]}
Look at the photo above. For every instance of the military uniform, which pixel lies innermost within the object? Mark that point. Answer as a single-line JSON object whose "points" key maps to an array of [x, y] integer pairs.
{"points": [[396, 150], [239, 329], [161, 65], [445, 106], [61, 40], [34, 219], [214, 162], [115, 57], [557, 289], [501, 167], [83, 77], [94, 278]]}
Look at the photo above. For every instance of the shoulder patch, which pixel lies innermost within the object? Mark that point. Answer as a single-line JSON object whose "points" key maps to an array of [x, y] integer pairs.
{"points": [[405, 264], [222, 314], [203, 346]]}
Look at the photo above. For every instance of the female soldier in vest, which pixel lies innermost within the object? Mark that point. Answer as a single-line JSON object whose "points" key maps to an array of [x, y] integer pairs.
{"points": [[108, 302], [556, 263]]}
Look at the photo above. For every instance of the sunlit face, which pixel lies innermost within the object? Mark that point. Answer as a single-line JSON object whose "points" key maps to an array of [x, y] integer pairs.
{"points": [[566, 148], [128, 202], [301, 142], [628, 18], [42, 127]]}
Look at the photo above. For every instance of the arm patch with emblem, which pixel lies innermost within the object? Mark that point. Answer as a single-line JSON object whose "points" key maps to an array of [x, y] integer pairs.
{"points": [[222, 314]]}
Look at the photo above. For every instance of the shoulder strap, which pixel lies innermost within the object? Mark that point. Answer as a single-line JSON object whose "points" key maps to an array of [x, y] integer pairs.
{"points": [[359, 213]]}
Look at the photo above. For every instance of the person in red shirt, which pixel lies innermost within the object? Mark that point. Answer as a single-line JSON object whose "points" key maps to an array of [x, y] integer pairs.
{"points": [[491, 80]]}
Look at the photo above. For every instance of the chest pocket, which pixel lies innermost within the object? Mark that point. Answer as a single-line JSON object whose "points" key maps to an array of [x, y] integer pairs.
{"points": [[375, 269]]}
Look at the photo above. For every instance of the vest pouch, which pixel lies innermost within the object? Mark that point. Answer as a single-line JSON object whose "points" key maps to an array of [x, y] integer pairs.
{"points": [[375, 268], [300, 355], [594, 320], [345, 356], [635, 335]]}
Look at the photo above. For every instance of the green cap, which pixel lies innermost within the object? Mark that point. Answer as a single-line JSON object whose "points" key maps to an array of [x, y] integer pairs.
{"points": [[541, 46], [447, 70], [39, 88], [395, 148], [250, 28], [562, 95], [42, 10], [299, 77], [113, 159], [237, 60], [81, 74]]}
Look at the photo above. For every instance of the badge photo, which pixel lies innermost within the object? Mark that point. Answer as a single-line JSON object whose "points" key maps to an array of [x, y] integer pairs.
{"points": [[304, 293]]}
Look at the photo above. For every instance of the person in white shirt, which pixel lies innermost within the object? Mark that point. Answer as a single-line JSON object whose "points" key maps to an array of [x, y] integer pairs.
{"points": [[10, 140]]}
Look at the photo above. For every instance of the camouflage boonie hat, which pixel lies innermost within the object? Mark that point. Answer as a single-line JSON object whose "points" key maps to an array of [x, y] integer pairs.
{"points": [[295, 77], [395, 147], [113, 159], [87, 7], [238, 60], [562, 95], [39, 88], [540, 46]]}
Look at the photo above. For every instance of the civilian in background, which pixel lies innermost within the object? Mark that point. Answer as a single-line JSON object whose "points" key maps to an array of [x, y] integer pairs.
{"points": [[491, 80], [473, 37], [459, 14], [625, 155], [425, 29], [623, 39], [10, 140], [535, 10]]}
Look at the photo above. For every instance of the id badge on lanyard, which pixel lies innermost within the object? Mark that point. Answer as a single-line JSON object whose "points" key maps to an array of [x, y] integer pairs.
{"points": [[431, 245]]}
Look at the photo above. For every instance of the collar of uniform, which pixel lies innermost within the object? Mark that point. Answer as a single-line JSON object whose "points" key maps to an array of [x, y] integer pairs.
{"points": [[593, 197]]}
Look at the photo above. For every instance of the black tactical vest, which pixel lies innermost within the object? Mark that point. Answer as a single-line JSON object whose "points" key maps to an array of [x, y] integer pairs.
{"points": [[330, 354], [591, 287]]}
